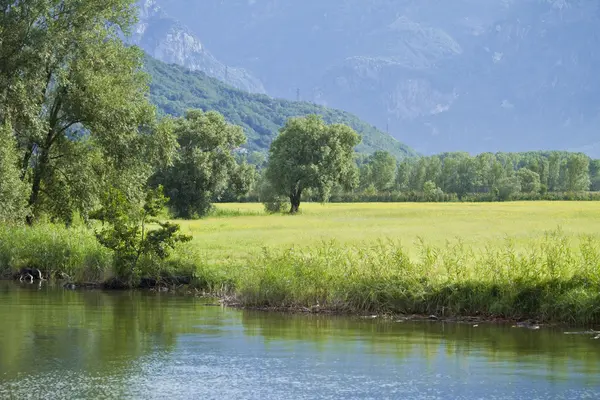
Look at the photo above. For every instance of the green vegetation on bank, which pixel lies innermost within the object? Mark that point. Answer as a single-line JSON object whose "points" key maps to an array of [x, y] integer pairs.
{"points": [[175, 89], [453, 177], [502, 260]]}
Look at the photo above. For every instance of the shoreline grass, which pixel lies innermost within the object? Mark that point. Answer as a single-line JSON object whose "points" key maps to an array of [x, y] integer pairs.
{"points": [[550, 282], [550, 275]]}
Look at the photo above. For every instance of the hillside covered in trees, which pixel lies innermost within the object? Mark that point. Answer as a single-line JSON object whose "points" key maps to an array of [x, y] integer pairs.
{"points": [[175, 89]]}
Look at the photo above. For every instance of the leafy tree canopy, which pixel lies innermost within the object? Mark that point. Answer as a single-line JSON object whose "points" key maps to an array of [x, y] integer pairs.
{"points": [[76, 100], [309, 154], [13, 192], [205, 165]]}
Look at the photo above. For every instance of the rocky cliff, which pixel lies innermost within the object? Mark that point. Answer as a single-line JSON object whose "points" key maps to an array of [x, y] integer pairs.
{"points": [[167, 39]]}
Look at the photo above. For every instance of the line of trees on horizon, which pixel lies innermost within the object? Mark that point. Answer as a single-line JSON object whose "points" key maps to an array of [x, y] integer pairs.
{"points": [[457, 176], [500, 175]]}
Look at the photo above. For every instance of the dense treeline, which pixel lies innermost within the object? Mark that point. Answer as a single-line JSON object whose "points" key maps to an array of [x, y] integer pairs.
{"points": [[453, 177], [487, 176]]}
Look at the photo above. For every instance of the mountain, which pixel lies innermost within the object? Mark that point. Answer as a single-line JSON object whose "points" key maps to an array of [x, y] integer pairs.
{"points": [[175, 89], [473, 75], [168, 40]]}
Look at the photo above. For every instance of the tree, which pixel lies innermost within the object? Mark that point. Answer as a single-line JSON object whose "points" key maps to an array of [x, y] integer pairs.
{"points": [[76, 98], [433, 169], [507, 187], [242, 180], [403, 174], [432, 192], [554, 162], [383, 170], [418, 174], [365, 172], [577, 175], [311, 154], [204, 165], [13, 192], [529, 181], [595, 175]]}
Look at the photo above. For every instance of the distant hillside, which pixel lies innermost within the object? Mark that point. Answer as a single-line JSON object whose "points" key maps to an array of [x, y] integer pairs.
{"points": [[460, 75], [175, 89]]}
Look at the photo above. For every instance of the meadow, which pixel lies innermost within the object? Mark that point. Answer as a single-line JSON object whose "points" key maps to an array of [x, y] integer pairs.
{"points": [[238, 230], [529, 260]]}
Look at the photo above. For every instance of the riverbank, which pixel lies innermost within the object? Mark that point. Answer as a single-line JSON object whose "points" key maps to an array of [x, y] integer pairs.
{"points": [[547, 277], [549, 283]]}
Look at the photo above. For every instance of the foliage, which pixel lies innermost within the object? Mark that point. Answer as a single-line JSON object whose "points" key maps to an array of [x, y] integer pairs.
{"points": [[76, 99], [577, 175], [311, 154], [127, 231], [272, 201], [507, 187], [497, 177], [55, 250], [529, 180], [13, 192], [175, 90], [379, 170], [204, 167], [241, 181]]}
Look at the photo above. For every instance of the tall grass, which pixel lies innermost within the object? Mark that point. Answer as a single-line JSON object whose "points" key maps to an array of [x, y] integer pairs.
{"points": [[52, 249], [555, 277], [548, 282]]}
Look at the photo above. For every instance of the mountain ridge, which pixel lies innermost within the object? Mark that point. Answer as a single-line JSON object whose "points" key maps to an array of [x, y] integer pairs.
{"points": [[473, 75], [175, 89]]}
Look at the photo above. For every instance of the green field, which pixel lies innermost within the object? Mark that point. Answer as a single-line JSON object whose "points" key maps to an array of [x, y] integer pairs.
{"points": [[533, 260], [244, 229]]}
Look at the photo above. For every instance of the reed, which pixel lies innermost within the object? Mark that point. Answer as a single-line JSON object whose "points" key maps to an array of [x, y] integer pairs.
{"points": [[52, 248], [548, 282]]}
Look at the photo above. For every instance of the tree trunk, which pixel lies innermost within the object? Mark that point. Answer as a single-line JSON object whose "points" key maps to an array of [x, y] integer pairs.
{"points": [[295, 200], [40, 169], [38, 174]]}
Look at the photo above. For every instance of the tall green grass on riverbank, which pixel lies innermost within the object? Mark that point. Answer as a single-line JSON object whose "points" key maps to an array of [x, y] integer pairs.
{"points": [[51, 248], [550, 281], [488, 260]]}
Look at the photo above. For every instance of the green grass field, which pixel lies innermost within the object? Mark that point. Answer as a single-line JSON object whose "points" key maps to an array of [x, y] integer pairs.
{"points": [[244, 229], [534, 260]]}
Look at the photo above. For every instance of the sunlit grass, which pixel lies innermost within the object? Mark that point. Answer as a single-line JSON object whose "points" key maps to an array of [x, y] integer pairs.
{"points": [[477, 225], [516, 260]]}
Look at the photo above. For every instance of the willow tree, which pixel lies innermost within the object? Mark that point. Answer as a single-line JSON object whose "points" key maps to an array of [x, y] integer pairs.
{"points": [[204, 165], [77, 101], [309, 154]]}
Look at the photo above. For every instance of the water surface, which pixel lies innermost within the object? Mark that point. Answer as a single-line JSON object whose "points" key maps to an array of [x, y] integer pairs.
{"points": [[59, 344]]}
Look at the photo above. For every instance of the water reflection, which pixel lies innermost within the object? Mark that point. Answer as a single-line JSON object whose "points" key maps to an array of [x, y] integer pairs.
{"points": [[62, 344]]}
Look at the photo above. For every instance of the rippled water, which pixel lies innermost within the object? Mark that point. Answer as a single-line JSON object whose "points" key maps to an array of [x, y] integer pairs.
{"points": [[59, 344]]}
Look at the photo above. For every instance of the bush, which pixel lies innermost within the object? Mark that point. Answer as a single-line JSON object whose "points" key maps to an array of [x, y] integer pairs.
{"points": [[139, 241], [273, 202]]}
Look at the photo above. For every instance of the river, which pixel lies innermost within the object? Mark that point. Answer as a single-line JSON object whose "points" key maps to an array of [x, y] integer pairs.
{"points": [[60, 344]]}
